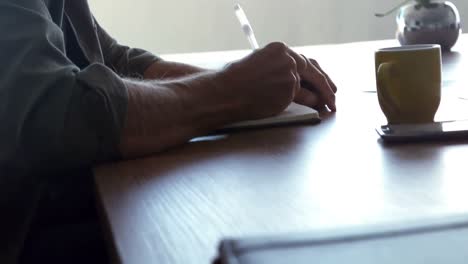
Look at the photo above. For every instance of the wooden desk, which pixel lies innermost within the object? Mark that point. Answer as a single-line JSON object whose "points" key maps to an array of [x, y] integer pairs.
{"points": [[175, 207]]}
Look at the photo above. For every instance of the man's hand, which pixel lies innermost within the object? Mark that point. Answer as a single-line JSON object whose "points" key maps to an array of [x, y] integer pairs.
{"points": [[269, 79], [264, 83]]}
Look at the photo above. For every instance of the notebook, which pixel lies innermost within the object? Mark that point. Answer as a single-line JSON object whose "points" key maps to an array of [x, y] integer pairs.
{"points": [[293, 114]]}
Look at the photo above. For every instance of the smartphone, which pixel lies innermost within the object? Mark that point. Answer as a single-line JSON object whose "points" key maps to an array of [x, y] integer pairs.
{"points": [[427, 131]]}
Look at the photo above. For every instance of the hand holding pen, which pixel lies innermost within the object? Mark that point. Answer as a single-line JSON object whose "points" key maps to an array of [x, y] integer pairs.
{"points": [[312, 86]]}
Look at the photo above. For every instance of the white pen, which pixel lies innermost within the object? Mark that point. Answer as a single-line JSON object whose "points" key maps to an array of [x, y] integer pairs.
{"points": [[246, 27]]}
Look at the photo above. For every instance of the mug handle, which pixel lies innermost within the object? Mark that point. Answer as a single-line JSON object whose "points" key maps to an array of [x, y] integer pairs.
{"points": [[384, 82]]}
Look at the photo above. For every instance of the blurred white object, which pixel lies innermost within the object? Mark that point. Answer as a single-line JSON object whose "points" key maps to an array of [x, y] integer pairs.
{"points": [[246, 27]]}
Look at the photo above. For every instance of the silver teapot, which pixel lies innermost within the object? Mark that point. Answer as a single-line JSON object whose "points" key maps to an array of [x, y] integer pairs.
{"points": [[428, 22]]}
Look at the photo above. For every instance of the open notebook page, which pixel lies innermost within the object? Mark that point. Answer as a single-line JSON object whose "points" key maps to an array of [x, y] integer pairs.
{"points": [[295, 113]]}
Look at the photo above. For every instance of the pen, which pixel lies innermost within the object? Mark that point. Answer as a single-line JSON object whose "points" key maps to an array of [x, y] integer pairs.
{"points": [[246, 27]]}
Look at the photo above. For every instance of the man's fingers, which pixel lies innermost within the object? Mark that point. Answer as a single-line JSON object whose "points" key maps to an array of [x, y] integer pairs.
{"points": [[280, 48], [298, 84], [301, 62], [294, 72], [315, 77], [329, 80], [309, 71], [308, 98]]}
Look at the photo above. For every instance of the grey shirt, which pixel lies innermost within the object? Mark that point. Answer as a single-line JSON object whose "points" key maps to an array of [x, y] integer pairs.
{"points": [[62, 101]]}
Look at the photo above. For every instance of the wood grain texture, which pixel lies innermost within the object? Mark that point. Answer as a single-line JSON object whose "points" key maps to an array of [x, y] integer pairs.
{"points": [[175, 207]]}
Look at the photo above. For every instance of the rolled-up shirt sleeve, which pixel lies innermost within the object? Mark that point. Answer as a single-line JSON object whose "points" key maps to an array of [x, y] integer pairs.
{"points": [[53, 115], [129, 62]]}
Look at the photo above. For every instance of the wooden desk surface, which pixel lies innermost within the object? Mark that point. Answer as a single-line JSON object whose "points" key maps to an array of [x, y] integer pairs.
{"points": [[175, 207]]}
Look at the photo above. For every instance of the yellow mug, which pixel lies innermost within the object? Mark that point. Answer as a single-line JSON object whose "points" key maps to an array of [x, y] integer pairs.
{"points": [[409, 80]]}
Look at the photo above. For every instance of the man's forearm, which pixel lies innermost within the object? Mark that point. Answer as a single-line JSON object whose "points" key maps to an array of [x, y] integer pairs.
{"points": [[167, 70], [164, 114], [170, 111]]}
